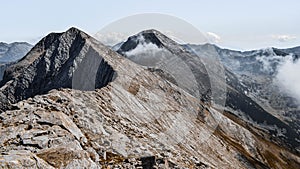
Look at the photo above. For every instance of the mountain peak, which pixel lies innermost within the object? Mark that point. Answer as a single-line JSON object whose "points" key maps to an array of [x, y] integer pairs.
{"points": [[53, 63], [73, 29], [76, 31], [150, 36], [150, 31], [144, 37]]}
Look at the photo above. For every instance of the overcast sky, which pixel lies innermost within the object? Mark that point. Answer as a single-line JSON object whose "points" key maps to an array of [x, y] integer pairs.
{"points": [[234, 24]]}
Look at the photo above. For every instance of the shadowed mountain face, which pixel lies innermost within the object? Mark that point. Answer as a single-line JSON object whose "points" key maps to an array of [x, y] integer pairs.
{"points": [[52, 64], [295, 50], [150, 48], [3, 67], [81, 105]]}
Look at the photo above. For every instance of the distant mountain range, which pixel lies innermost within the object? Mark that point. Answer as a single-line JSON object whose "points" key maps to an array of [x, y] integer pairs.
{"points": [[10, 53], [13, 51], [256, 71]]}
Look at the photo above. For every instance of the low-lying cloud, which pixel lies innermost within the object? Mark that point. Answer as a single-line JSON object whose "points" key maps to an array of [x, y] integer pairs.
{"points": [[148, 48], [289, 77]]}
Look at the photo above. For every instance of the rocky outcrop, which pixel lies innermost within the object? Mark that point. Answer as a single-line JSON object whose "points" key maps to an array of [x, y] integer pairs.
{"points": [[58, 61], [69, 128]]}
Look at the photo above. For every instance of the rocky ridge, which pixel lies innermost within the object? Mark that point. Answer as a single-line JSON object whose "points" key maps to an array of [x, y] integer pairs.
{"points": [[120, 115], [223, 86]]}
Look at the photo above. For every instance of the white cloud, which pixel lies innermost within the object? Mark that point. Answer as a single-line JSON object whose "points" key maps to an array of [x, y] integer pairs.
{"points": [[284, 38], [111, 38], [212, 37], [289, 77], [148, 48]]}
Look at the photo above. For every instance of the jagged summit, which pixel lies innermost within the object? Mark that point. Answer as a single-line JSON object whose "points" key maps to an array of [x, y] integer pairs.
{"points": [[150, 36], [54, 63], [153, 49]]}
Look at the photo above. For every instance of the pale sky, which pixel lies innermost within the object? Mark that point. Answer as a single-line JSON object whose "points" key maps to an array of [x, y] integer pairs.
{"points": [[236, 24]]}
